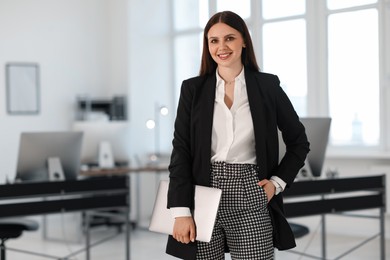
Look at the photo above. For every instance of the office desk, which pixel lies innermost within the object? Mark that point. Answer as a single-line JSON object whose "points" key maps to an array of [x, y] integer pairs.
{"points": [[147, 169], [96, 172], [35, 198], [340, 195]]}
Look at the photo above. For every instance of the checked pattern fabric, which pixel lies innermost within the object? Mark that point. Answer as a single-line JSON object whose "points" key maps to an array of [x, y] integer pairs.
{"points": [[243, 219]]}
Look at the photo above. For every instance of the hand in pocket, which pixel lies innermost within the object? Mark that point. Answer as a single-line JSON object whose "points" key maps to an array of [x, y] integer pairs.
{"points": [[268, 187]]}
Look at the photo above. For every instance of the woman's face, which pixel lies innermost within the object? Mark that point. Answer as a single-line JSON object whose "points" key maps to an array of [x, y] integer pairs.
{"points": [[225, 45]]}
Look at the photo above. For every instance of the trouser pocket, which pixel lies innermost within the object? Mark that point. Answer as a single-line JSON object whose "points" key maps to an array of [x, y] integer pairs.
{"points": [[255, 195]]}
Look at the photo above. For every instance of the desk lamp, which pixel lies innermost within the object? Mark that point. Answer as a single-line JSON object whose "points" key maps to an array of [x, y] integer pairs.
{"points": [[154, 124]]}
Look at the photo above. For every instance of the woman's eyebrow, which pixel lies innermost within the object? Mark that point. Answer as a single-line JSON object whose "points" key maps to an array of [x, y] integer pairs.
{"points": [[228, 35]]}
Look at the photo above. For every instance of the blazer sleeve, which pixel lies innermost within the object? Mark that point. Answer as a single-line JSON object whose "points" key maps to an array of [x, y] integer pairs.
{"points": [[180, 189], [294, 136]]}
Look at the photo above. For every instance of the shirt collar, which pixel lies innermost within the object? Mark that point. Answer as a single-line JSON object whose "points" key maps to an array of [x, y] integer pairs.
{"points": [[240, 77]]}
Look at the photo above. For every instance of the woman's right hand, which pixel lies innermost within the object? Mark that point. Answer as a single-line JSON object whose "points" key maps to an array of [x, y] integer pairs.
{"points": [[184, 230]]}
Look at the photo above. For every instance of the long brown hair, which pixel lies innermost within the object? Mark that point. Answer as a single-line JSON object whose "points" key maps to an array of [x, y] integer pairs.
{"points": [[248, 58]]}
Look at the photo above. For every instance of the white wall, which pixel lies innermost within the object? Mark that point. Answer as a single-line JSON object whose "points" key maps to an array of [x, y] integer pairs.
{"points": [[117, 37], [150, 72], [80, 49], [150, 81]]}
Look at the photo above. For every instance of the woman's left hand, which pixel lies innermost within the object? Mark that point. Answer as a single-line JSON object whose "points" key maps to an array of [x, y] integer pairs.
{"points": [[268, 187]]}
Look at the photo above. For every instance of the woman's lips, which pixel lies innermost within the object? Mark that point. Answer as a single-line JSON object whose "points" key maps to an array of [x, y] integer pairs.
{"points": [[224, 56]]}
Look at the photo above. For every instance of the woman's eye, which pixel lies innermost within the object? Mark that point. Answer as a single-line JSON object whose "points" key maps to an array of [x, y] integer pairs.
{"points": [[213, 41], [229, 39]]}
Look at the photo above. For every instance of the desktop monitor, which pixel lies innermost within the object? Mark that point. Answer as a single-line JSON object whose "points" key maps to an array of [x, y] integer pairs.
{"points": [[36, 149], [114, 133], [317, 131]]}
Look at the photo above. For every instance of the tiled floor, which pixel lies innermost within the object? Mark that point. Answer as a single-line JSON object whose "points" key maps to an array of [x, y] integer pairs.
{"points": [[151, 246]]}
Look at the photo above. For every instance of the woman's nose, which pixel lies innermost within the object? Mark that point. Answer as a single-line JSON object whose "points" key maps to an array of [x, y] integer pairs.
{"points": [[222, 45]]}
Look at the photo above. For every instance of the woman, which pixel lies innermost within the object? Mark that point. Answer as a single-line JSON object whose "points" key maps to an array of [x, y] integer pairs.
{"points": [[226, 136]]}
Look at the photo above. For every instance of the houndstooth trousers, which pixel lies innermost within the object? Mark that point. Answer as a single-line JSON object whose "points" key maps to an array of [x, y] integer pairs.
{"points": [[243, 219]]}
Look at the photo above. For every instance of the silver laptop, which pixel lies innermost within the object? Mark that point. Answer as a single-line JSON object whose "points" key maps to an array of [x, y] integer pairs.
{"points": [[205, 212]]}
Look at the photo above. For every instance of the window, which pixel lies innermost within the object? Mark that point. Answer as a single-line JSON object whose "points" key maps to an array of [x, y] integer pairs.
{"points": [[189, 17], [188, 49], [339, 4], [272, 8], [189, 14], [353, 77], [284, 54], [327, 54], [241, 7]]}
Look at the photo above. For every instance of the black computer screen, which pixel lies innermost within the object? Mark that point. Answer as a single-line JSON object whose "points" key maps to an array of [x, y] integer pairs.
{"points": [[317, 131], [35, 148]]}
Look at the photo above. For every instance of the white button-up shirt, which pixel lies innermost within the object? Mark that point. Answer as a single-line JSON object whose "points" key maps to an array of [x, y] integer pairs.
{"points": [[233, 138]]}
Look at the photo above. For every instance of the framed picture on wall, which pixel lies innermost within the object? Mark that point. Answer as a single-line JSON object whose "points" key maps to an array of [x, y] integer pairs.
{"points": [[22, 80]]}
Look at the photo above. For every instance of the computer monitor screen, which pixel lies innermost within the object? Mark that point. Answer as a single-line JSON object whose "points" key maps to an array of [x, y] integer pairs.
{"points": [[116, 133], [35, 149], [317, 131]]}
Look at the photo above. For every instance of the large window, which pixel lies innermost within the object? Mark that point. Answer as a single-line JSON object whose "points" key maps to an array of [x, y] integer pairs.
{"points": [[353, 77], [327, 54], [284, 54]]}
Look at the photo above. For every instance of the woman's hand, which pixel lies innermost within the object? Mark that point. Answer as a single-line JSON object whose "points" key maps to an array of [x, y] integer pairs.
{"points": [[268, 187], [184, 230]]}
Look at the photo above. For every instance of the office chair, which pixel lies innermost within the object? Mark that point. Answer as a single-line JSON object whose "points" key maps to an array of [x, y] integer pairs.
{"points": [[299, 230], [13, 228]]}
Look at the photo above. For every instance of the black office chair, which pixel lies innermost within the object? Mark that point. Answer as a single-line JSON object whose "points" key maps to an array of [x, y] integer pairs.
{"points": [[13, 228], [299, 230]]}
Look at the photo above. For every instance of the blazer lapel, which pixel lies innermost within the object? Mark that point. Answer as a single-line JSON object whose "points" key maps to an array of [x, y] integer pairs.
{"points": [[207, 99], [256, 104]]}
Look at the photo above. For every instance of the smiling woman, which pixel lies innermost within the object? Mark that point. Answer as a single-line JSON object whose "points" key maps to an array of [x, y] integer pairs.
{"points": [[236, 103], [225, 47]]}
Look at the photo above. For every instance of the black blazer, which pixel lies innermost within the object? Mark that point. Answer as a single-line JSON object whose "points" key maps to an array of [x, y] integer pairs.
{"points": [[190, 160]]}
